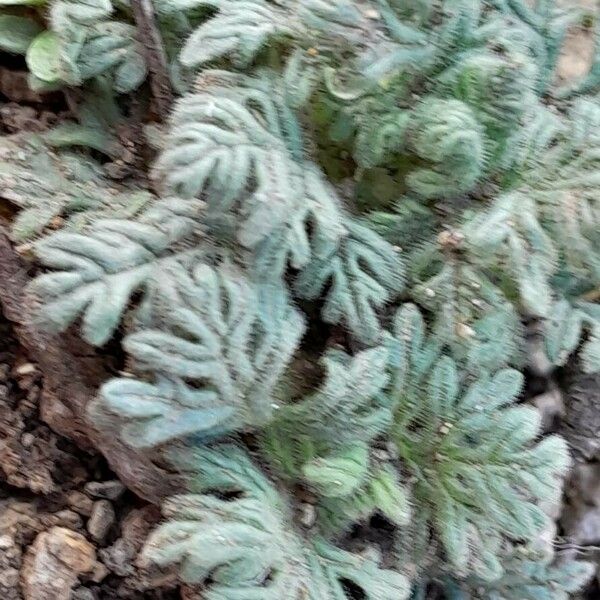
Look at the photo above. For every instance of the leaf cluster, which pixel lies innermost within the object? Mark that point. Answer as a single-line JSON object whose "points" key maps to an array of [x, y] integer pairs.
{"points": [[323, 286]]}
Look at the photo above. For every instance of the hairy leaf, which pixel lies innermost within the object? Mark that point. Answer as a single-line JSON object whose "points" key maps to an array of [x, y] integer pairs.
{"points": [[237, 142], [362, 275], [228, 341], [96, 272], [478, 470], [245, 543], [17, 33]]}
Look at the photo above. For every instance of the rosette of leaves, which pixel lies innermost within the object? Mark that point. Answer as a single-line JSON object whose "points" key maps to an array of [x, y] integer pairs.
{"points": [[277, 204], [474, 86], [477, 470], [437, 99]]}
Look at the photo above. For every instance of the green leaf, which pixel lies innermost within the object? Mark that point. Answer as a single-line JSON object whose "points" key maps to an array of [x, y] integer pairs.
{"points": [[413, 351], [348, 407], [389, 496], [17, 33], [381, 492], [362, 274], [112, 47], [468, 450], [43, 57], [559, 177], [245, 544], [511, 230], [446, 134], [227, 341], [237, 143], [338, 474], [473, 316], [97, 271], [98, 119], [67, 14], [454, 530], [562, 332], [152, 414], [239, 29], [324, 440], [45, 183]]}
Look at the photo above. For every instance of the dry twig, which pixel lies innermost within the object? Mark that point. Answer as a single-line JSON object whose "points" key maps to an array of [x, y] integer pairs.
{"points": [[143, 13]]}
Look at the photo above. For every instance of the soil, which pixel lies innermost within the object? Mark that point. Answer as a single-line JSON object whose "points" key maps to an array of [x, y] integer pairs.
{"points": [[68, 527]]}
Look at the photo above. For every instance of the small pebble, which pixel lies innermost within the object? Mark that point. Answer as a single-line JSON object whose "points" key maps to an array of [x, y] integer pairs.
{"points": [[551, 407], [52, 564], [101, 520], [27, 440], [99, 573], [119, 557], [110, 490], [9, 578], [83, 593], [25, 369], [308, 515], [80, 503]]}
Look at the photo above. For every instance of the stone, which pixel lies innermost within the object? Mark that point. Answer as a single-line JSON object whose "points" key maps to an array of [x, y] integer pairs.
{"points": [[25, 369], [582, 419], [83, 593], [9, 579], [583, 526], [109, 490], [53, 562], [63, 518], [119, 557], [551, 407], [99, 573], [101, 520], [189, 593], [80, 503], [537, 358], [135, 527], [27, 440], [585, 484], [308, 514]]}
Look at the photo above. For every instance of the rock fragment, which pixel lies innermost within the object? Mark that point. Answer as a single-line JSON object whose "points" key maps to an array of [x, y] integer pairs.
{"points": [[53, 563], [101, 520], [109, 490]]}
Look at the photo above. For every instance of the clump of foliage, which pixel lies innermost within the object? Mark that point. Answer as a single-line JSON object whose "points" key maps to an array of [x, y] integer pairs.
{"points": [[354, 209]]}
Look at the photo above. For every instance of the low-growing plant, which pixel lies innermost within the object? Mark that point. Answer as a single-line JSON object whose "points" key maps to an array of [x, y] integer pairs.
{"points": [[323, 283]]}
